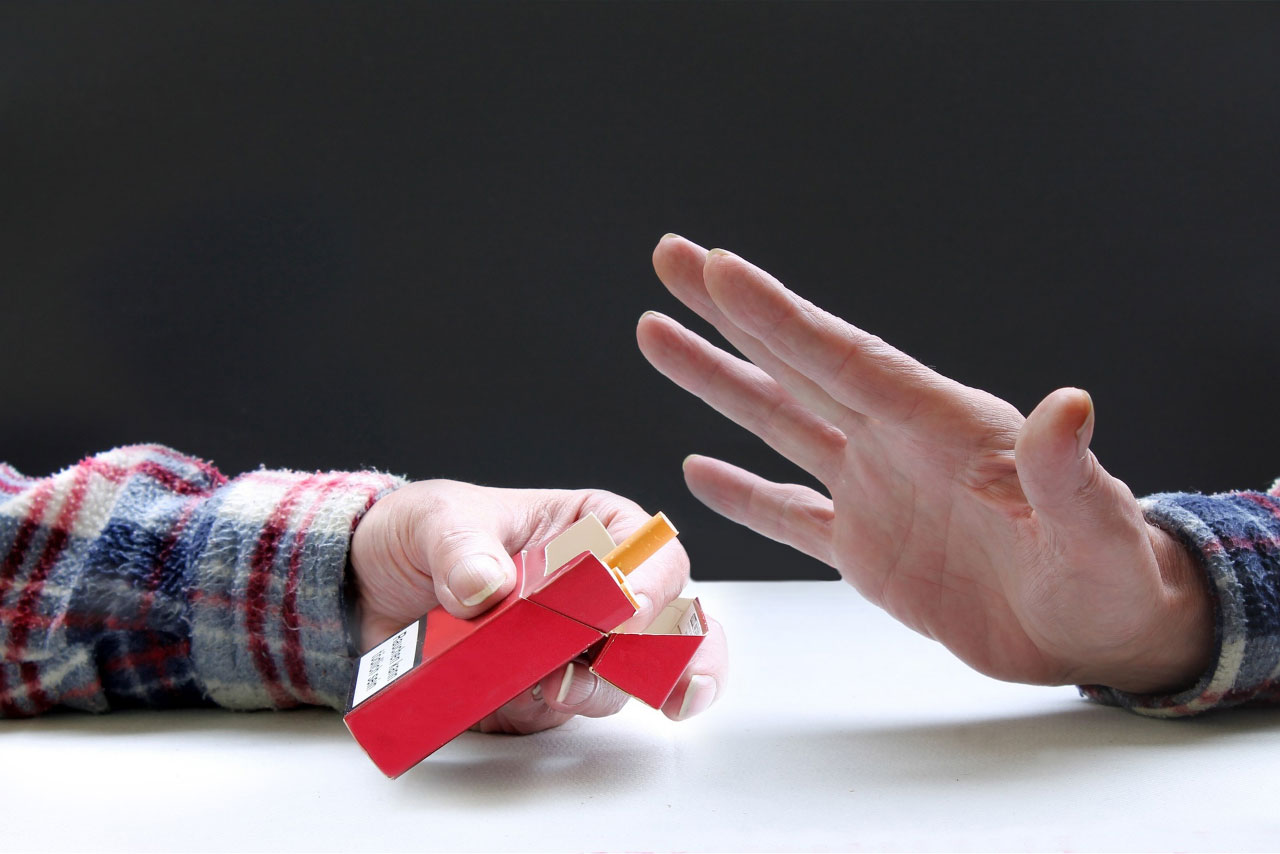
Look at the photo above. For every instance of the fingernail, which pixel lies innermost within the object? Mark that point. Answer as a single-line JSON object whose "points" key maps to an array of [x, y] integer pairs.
{"points": [[668, 234], [685, 462], [474, 578], [1085, 431], [718, 252], [652, 313], [577, 686], [697, 697]]}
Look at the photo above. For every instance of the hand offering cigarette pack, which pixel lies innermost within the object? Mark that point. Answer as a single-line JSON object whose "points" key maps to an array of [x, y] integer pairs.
{"points": [[435, 678]]}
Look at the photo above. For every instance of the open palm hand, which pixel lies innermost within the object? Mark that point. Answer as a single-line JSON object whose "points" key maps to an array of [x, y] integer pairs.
{"points": [[1000, 536]]}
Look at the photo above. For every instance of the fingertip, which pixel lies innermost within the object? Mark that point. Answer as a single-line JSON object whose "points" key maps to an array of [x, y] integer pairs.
{"points": [[1084, 433], [700, 477], [651, 328], [669, 247], [1074, 402], [697, 463], [1070, 405], [714, 263], [692, 697], [651, 314], [701, 481], [679, 263], [1055, 427], [476, 582], [705, 679], [1060, 478], [699, 694], [743, 293]]}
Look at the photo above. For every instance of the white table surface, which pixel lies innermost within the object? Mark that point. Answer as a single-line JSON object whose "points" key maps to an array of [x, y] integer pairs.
{"points": [[840, 730]]}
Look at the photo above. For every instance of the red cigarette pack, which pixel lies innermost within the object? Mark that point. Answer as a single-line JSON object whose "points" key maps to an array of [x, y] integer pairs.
{"points": [[436, 677]]}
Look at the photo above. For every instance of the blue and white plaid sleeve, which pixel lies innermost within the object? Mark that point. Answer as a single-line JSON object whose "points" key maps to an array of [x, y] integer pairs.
{"points": [[1236, 537]]}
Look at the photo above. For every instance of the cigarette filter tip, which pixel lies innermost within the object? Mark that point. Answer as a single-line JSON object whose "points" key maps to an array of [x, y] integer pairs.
{"points": [[641, 545]]}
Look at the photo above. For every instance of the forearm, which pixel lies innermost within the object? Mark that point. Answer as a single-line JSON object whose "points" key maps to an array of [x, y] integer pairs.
{"points": [[143, 577]]}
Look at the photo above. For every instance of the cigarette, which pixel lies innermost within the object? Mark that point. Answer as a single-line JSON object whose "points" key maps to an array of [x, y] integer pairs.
{"points": [[641, 545]]}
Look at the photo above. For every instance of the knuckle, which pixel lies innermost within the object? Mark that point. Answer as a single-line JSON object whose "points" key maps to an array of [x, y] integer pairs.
{"points": [[455, 539], [619, 515]]}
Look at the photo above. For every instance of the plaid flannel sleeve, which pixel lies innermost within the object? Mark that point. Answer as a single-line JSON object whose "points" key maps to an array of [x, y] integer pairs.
{"points": [[143, 577], [1237, 539]]}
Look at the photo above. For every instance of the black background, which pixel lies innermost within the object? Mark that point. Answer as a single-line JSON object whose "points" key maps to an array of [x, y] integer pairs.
{"points": [[417, 237]]}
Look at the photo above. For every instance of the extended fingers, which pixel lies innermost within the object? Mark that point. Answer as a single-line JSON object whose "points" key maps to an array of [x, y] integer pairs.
{"points": [[856, 368], [795, 515], [742, 392], [680, 263]]}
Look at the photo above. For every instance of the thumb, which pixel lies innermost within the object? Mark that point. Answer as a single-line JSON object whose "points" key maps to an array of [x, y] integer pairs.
{"points": [[1061, 478], [469, 566]]}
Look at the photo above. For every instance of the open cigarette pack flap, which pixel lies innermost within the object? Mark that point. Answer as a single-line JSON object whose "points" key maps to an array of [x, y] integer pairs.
{"points": [[435, 678]]}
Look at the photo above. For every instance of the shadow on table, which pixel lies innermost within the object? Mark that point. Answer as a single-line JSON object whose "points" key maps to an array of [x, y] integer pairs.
{"points": [[812, 756], [581, 761], [1042, 746], [576, 761]]}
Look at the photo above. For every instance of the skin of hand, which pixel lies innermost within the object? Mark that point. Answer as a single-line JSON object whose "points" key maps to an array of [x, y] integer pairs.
{"points": [[1001, 537], [442, 542]]}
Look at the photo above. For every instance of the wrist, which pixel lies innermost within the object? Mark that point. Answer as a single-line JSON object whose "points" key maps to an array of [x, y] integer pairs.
{"points": [[1180, 645]]}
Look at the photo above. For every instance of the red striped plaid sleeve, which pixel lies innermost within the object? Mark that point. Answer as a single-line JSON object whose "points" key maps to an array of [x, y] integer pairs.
{"points": [[143, 577]]}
